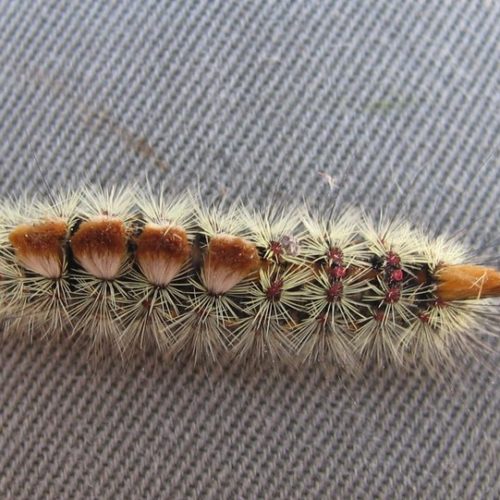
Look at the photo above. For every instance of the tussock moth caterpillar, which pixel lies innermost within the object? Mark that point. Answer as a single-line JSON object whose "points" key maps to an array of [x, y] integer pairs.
{"points": [[128, 270]]}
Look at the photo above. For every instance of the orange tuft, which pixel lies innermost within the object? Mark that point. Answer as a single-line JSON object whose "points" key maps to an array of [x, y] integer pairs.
{"points": [[99, 245], [161, 252], [459, 282], [40, 247], [228, 260]]}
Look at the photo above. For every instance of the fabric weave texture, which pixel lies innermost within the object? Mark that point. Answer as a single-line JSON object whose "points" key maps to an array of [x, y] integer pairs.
{"points": [[392, 106]]}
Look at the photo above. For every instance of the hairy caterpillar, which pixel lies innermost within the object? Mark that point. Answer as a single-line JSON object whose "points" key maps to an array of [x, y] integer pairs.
{"points": [[128, 270]]}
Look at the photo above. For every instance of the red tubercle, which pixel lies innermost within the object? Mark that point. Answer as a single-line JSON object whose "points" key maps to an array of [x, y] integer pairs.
{"points": [[379, 315], [393, 295], [393, 259], [336, 255], [274, 290], [334, 293], [276, 248], [397, 275], [338, 272], [424, 317]]}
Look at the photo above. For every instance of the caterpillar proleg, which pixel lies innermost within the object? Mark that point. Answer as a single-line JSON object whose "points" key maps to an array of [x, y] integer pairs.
{"points": [[128, 270]]}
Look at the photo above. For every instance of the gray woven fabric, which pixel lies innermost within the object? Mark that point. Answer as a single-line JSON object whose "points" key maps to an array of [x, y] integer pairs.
{"points": [[398, 102]]}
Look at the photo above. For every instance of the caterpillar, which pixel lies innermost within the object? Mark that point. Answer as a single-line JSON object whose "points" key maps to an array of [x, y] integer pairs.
{"points": [[126, 270]]}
